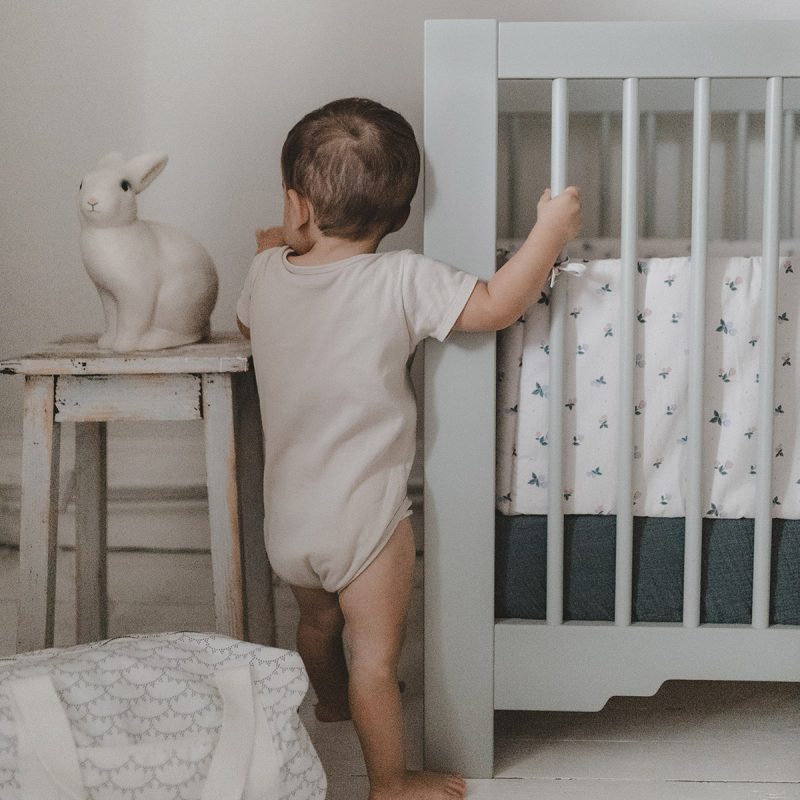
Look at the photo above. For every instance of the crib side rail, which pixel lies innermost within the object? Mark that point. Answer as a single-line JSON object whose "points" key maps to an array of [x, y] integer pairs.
{"points": [[579, 666]]}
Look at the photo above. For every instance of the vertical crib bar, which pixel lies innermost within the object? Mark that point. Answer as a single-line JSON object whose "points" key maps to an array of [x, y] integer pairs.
{"points": [[740, 216], [693, 537], [787, 206], [605, 172], [649, 221], [630, 158], [555, 517], [766, 362]]}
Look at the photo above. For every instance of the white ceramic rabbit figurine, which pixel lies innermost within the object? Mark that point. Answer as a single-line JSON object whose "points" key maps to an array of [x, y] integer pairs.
{"points": [[157, 285]]}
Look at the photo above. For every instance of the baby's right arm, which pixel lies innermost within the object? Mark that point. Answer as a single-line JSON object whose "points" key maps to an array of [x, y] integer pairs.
{"points": [[498, 303], [269, 237], [265, 238]]}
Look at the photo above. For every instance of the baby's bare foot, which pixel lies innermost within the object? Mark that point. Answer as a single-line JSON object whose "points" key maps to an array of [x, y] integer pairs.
{"points": [[422, 786]]}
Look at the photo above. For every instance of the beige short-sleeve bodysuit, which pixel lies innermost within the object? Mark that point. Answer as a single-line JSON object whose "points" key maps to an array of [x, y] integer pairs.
{"points": [[331, 348]]}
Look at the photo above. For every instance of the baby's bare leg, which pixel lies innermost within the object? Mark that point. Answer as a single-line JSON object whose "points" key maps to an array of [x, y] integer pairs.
{"points": [[375, 606], [319, 642]]}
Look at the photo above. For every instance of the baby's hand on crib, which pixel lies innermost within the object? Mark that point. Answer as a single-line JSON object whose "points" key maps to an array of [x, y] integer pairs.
{"points": [[269, 237], [561, 214]]}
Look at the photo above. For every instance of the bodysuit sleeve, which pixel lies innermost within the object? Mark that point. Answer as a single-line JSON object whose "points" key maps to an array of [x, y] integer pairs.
{"points": [[434, 295], [243, 304]]}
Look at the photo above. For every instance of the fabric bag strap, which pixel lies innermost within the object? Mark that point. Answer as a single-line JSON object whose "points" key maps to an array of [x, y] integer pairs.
{"points": [[48, 760], [230, 763]]}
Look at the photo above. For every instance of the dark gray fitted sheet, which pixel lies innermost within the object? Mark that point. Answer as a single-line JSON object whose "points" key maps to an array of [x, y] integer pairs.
{"points": [[727, 573]]}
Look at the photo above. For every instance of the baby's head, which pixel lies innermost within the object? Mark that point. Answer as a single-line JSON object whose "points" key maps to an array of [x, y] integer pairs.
{"points": [[356, 163]]}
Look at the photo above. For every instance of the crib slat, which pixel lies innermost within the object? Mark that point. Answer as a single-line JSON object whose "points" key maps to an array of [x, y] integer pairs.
{"points": [[766, 361], [740, 216], [693, 542], [628, 230], [787, 205], [605, 173], [649, 221], [555, 516]]}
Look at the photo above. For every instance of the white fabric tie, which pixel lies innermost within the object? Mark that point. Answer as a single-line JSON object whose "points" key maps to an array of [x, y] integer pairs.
{"points": [[573, 268]]}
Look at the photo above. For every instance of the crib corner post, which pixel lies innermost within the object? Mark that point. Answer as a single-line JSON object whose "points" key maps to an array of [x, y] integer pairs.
{"points": [[460, 140]]}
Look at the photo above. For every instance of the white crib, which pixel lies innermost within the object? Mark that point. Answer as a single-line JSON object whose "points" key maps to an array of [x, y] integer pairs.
{"points": [[475, 663]]}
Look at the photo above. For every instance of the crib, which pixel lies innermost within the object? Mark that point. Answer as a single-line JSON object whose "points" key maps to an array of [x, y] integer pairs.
{"points": [[476, 663]]}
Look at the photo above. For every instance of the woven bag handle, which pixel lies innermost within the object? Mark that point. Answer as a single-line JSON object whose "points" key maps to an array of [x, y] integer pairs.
{"points": [[48, 760]]}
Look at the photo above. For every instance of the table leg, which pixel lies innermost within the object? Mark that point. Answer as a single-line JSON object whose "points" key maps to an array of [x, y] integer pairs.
{"points": [[38, 515], [223, 504], [90, 532], [260, 606]]}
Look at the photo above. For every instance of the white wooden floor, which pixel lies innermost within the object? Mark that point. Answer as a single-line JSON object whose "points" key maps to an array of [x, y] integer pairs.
{"points": [[704, 741]]}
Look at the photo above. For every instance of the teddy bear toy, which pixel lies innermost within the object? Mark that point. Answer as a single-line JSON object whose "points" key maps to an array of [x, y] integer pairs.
{"points": [[157, 285]]}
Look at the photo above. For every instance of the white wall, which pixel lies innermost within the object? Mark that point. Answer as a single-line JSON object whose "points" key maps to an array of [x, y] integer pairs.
{"points": [[216, 85]]}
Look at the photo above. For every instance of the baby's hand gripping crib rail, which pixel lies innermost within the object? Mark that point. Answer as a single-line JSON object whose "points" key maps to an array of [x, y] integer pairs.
{"points": [[474, 663]]}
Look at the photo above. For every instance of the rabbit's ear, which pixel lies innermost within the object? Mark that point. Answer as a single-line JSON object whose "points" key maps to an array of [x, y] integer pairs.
{"points": [[111, 160], [144, 169]]}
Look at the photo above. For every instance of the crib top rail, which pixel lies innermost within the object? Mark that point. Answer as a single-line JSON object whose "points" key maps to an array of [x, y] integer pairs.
{"points": [[647, 50]]}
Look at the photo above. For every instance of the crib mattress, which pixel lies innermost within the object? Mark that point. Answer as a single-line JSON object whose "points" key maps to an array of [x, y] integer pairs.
{"points": [[589, 556]]}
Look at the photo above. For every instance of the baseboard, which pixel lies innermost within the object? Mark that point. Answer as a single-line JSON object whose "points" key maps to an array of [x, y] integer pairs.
{"points": [[168, 518], [142, 518]]}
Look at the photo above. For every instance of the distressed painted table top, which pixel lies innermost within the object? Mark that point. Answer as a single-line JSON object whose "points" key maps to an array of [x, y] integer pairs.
{"points": [[80, 355]]}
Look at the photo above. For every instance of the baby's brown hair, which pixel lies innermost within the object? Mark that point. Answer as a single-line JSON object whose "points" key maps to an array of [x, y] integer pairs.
{"points": [[357, 163]]}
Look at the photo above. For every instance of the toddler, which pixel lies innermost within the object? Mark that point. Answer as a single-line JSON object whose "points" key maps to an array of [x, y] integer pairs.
{"points": [[334, 325]]}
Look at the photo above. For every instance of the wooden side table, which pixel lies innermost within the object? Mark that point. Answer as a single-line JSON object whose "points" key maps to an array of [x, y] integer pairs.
{"points": [[75, 381]]}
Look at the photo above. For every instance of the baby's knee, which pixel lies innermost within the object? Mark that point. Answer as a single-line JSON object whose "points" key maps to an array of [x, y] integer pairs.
{"points": [[329, 621]]}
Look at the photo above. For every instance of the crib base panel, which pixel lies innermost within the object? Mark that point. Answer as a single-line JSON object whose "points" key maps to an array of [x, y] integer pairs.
{"points": [[579, 666]]}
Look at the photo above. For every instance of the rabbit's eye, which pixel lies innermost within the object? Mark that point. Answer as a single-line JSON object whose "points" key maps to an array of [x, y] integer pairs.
{"points": [[125, 186], [81, 186]]}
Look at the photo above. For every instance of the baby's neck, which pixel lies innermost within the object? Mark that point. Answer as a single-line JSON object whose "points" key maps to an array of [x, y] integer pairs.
{"points": [[326, 249]]}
